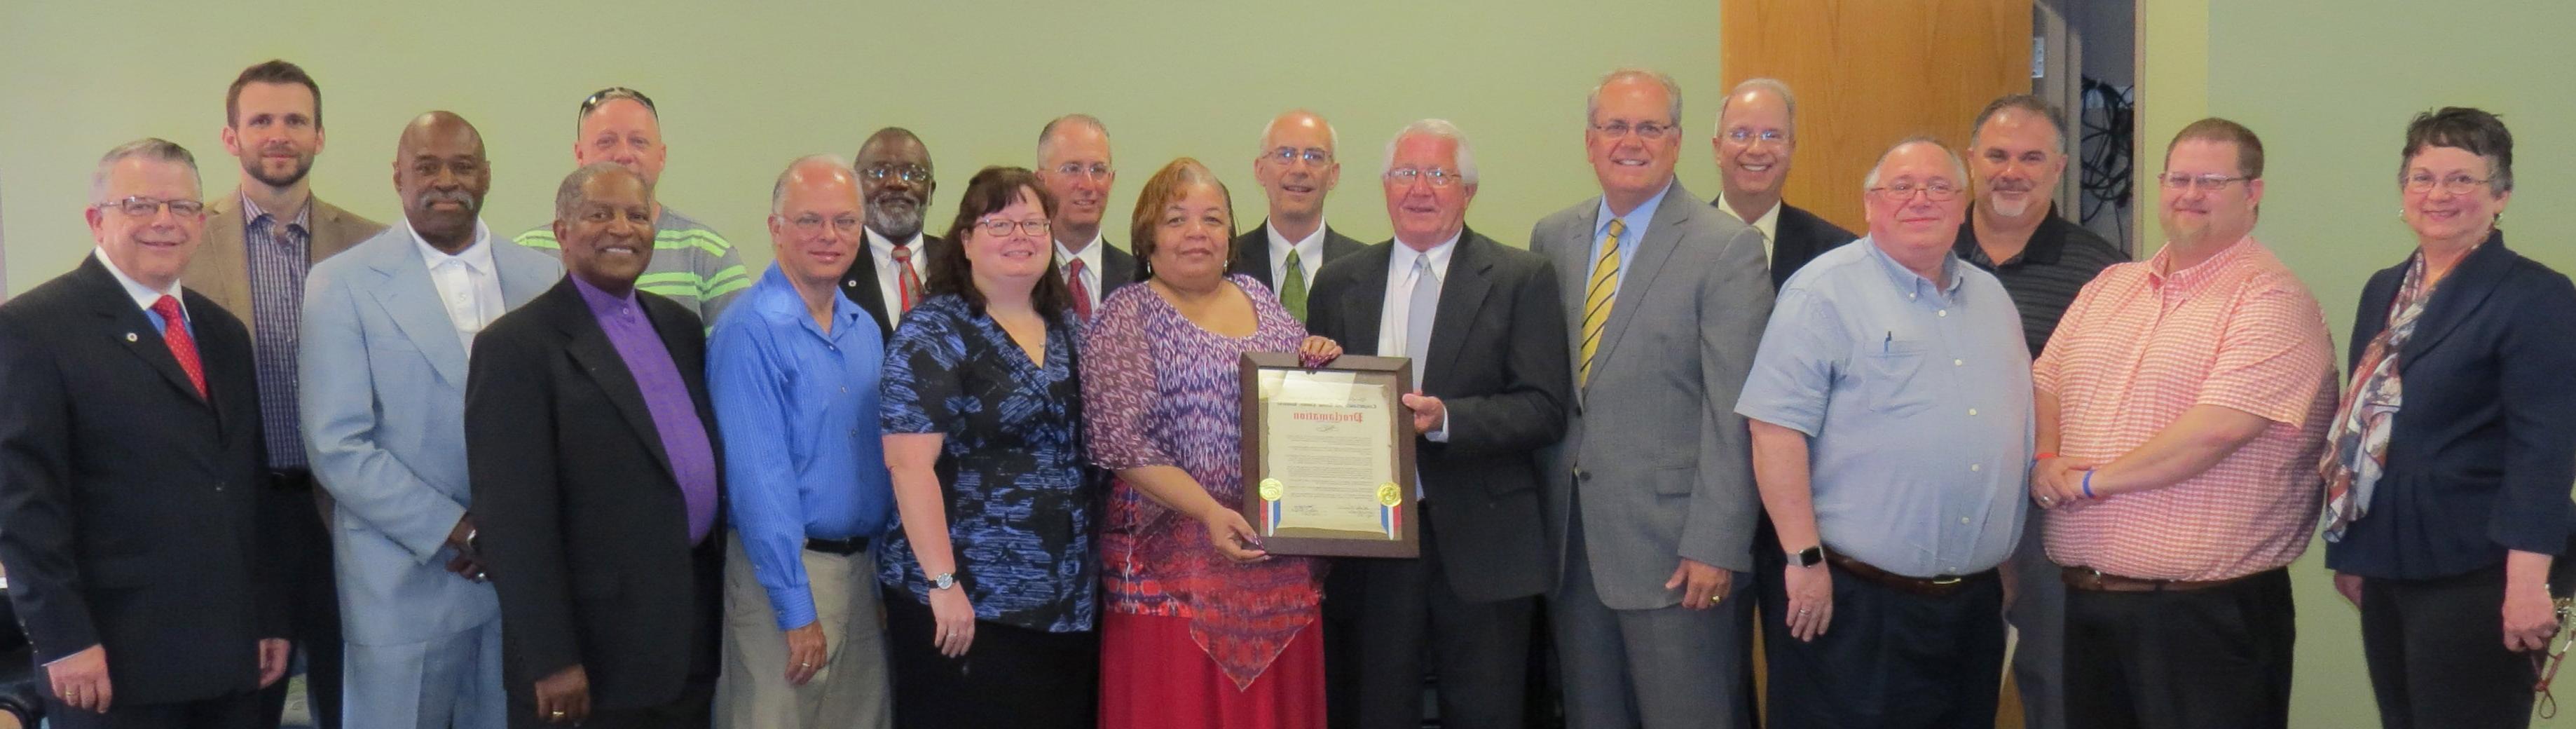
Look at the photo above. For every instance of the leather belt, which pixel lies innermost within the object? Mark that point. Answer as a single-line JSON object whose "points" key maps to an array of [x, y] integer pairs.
{"points": [[291, 479], [842, 547], [2093, 580], [1942, 586]]}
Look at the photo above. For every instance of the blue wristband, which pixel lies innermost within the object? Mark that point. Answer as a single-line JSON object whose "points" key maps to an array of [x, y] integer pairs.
{"points": [[2088, 485]]}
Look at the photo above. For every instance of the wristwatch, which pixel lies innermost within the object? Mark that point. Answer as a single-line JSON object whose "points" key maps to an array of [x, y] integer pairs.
{"points": [[943, 580], [1808, 557]]}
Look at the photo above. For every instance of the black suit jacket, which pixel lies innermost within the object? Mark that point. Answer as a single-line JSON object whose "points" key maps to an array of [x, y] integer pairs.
{"points": [[2481, 452], [1117, 268], [859, 283], [1252, 253], [1798, 238], [1498, 364], [582, 525], [129, 505]]}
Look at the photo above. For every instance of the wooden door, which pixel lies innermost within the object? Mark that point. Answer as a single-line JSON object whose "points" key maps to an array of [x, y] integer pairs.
{"points": [[1871, 72]]}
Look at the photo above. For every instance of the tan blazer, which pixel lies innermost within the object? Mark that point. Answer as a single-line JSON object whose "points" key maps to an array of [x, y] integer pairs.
{"points": [[221, 268]]}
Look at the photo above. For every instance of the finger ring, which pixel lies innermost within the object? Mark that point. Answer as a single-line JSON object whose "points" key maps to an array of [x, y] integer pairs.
{"points": [[559, 714], [804, 665], [1715, 599], [1802, 613], [2044, 501]]}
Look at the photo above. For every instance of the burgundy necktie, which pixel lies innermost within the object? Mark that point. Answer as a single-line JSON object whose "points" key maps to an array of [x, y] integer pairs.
{"points": [[1081, 293]]}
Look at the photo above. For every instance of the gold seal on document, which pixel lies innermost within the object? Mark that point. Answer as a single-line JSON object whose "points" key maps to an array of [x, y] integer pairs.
{"points": [[1389, 495], [1271, 489]]}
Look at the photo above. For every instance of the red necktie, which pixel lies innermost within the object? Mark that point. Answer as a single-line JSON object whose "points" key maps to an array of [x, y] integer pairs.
{"points": [[174, 332], [907, 285], [1081, 293]]}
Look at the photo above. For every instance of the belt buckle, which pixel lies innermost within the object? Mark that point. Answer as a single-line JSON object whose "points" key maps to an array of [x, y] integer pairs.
{"points": [[1946, 580]]}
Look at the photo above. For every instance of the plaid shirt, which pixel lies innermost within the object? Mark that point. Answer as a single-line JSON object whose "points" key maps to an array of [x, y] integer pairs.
{"points": [[277, 267]]}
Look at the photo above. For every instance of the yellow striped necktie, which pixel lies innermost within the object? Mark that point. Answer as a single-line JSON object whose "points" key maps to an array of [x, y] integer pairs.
{"points": [[1596, 299]]}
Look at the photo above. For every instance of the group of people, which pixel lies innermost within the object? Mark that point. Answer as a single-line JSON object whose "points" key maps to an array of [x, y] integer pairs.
{"points": [[599, 473]]}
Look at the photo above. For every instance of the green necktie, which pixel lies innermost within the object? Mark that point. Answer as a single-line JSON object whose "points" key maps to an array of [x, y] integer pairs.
{"points": [[1292, 289]]}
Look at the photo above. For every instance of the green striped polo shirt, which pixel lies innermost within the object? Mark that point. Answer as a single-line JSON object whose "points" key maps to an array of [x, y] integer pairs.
{"points": [[692, 264]]}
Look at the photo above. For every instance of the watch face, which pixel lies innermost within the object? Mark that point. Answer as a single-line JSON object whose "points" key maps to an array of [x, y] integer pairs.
{"points": [[1808, 557]]}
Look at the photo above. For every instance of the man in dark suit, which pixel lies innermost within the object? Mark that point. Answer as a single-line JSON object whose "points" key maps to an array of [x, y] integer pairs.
{"points": [[895, 183], [132, 475], [1484, 328], [1756, 134], [608, 579], [1296, 170], [260, 240], [1073, 163]]}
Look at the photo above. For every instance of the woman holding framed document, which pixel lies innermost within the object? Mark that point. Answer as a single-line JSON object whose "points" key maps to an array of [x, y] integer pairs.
{"points": [[1182, 568]]}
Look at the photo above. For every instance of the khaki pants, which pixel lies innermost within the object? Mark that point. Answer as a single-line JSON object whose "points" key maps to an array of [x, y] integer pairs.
{"points": [[849, 692]]}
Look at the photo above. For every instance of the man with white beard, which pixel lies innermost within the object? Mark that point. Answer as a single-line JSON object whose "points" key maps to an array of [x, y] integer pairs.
{"points": [[894, 184], [2016, 155]]}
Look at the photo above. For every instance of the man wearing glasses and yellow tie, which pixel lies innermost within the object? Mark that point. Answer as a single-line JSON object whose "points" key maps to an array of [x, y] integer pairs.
{"points": [[1296, 169], [1650, 498]]}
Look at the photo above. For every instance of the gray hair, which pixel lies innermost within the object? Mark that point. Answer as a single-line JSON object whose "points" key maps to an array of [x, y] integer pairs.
{"points": [[1437, 128], [568, 195], [840, 166], [1273, 126], [1958, 169], [2025, 102], [151, 148], [1672, 91], [1046, 134], [1788, 100]]}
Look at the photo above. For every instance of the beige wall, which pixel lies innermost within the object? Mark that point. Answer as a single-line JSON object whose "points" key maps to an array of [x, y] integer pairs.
{"points": [[745, 87], [2330, 87]]}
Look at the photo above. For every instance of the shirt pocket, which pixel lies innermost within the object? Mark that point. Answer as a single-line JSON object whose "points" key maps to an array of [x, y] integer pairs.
{"points": [[1892, 380]]}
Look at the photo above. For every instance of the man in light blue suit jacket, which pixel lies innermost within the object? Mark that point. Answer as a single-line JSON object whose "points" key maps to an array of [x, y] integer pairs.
{"points": [[388, 326]]}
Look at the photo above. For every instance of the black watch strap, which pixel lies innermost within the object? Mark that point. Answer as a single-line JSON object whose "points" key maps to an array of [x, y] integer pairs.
{"points": [[1808, 557]]}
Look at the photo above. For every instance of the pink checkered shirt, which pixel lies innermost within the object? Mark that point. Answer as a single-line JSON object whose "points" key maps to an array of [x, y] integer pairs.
{"points": [[2140, 346]]}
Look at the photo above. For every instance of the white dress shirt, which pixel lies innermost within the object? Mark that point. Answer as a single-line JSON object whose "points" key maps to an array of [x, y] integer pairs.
{"points": [[1090, 258], [467, 283], [143, 295], [1392, 317], [890, 281], [1310, 255], [1769, 223]]}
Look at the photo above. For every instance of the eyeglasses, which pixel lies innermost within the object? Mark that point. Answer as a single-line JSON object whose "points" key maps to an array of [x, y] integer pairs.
{"points": [[2456, 184], [1938, 191], [2212, 183], [811, 224], [144, 207], [1290, 155], [613, 93], [1621, 130], [912, 173], [1748, 136], [1095, 170], [1437, 176], [998, 226]]}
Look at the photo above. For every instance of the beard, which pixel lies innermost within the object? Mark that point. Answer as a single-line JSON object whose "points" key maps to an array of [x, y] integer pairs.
{"points": [[259, 171], [2014, 208], [896, 217]]}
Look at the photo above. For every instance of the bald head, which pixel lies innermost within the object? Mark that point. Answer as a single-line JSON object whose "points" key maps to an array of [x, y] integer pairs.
{"points": [[812, 174], [895, 179], [440, 171]]}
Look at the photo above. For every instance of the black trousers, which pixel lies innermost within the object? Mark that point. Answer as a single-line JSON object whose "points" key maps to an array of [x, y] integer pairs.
{"points": [[1478, 652], [1010, 676], [1890, 659], [233, 711], [694, 709], [2192, 659], [2436, 653], [313, 605]]}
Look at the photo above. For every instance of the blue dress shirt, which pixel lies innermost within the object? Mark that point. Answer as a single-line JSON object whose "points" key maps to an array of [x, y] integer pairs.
{"points": [[797, 408]]}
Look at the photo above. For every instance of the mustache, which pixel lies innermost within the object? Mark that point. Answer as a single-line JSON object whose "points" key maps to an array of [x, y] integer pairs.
{"points": [[460, 197]]}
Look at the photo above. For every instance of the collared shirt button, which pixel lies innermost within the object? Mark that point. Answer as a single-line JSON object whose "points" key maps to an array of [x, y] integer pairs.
{"points": [[1963, 520], [1943, 312], [845, 389], [1976, 467], [1972, 412], [1958, 363]]}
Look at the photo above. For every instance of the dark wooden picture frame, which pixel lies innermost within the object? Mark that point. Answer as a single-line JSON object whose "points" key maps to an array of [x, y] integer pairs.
{"points": [[1403, 518]]}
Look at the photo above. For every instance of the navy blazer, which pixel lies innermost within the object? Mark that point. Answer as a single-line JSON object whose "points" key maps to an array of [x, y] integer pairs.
{"points": [[2484, 447]]}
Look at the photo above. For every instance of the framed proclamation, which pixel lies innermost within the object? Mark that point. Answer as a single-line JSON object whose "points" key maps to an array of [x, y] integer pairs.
{"points": [[1328, 456]]}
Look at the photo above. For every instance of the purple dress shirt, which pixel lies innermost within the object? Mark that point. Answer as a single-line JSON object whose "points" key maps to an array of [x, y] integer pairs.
{"points": [[684, 437]]}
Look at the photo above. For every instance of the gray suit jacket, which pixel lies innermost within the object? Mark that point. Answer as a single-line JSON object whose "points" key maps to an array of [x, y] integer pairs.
{"points": [[383, 409], [1654, 452]]}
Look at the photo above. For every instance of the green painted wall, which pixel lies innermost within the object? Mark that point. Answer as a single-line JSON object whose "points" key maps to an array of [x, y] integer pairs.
{"points": [[2330, 87], [745, 87]]}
